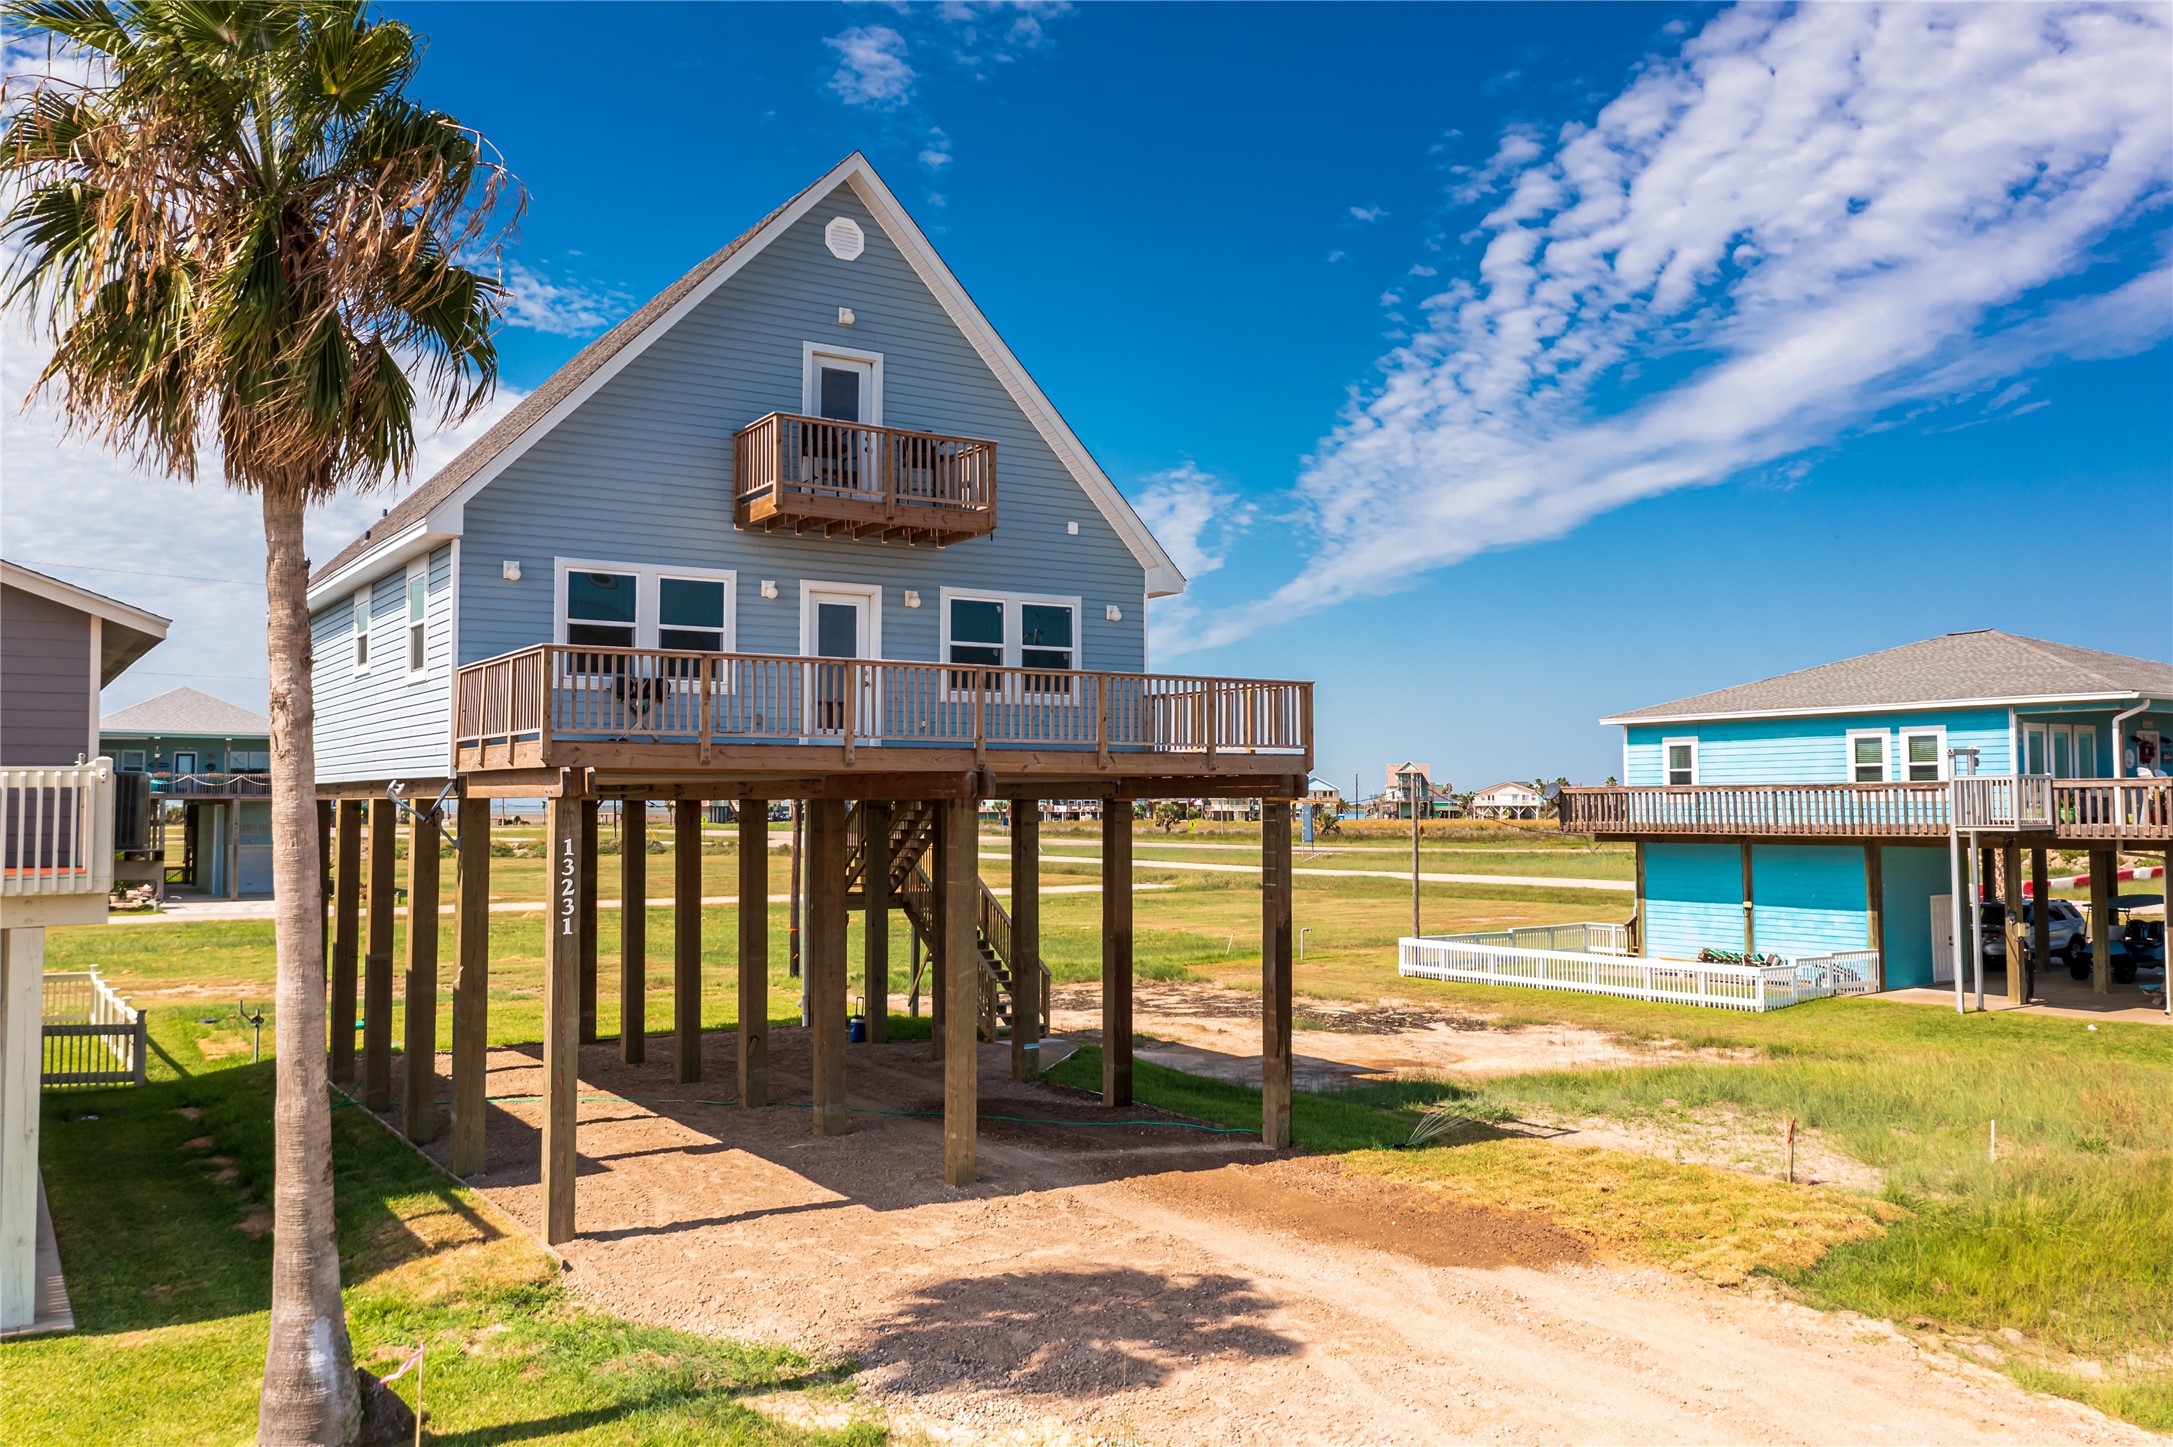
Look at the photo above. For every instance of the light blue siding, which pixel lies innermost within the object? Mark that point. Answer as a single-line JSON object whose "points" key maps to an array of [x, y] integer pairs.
{"points": [[1808, 899], [382, 724], [1910, 878], [1808, 750], [642, 473], [1693, 899]]}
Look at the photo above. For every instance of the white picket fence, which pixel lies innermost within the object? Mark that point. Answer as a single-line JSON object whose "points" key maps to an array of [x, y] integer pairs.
{"points": [[1604, 967], [92, 1036]]}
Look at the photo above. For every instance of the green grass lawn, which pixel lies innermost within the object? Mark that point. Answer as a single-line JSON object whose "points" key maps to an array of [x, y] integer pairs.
{"points": [[158, 1196]]}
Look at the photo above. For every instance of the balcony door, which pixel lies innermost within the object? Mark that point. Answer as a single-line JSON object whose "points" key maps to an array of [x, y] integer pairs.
{"points": [[840, 623], [845, 390]]}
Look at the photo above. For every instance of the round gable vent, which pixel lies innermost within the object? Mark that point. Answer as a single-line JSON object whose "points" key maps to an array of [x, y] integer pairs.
{"points": [[843, 238]]}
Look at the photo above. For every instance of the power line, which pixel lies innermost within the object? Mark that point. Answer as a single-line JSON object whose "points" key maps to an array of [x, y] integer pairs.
{"points": [[131, 572]]}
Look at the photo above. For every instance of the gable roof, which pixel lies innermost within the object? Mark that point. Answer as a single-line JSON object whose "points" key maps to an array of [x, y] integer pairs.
{"points": [[1520, 786], [1985, 666], [126, 632], [430, 513], [186, 711]]}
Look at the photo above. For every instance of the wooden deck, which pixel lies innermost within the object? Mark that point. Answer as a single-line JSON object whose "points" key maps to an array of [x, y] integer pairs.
{"points": [[773, 726], [845, 479], [2101, 812]]}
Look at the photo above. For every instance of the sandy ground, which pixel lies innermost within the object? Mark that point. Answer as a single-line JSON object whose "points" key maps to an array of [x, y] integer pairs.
{"points": [[1144, 1282]]}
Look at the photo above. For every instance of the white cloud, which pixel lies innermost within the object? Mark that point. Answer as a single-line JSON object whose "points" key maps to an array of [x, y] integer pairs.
{"points": [[1519, 146], [1368, 213], [937, 153], [1336, 256], [872, 67], [1194, 514], [1808, 220], [561, 308]]}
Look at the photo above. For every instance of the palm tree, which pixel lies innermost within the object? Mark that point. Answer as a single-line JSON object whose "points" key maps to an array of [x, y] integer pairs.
{"points": [[233, 223]]}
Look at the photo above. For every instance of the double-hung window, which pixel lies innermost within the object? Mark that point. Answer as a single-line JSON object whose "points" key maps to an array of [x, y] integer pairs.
{"points": [[418, 616], [601, 608], [1923, 755], [1679, 759], [361, 609], [1867, 756], [1015, 630], [632, 605]]}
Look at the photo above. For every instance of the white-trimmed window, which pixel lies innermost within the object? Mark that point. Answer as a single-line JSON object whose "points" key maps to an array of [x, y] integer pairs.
{"points": [[361, 609], [418, 617], [1679, 761], [1012, 630], [1923, 755], [1867, 756], [632, 605], [132, 761], [248, 761]]}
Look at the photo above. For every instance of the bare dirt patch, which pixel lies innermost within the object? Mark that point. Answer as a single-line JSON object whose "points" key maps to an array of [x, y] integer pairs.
{"points": [[1720, 1136], [1142, 1281]]}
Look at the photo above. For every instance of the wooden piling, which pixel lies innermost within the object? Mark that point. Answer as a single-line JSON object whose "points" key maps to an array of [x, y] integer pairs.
{"points": [[875, 815], [1025, 938], [562, 1014], [2103, 887], [2040, 919], [823, 959], [377, 960], [346, 939], [959, 839], [686, 941], [2010, 893], [633, 931], [1275, 977], [419, 987], [754, 952], [471, 989], [589, 855], [1117, 952], [1875, 908]]}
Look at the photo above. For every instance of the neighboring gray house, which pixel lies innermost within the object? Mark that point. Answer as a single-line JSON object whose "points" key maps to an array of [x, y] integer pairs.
{"points": [[602, 508]]}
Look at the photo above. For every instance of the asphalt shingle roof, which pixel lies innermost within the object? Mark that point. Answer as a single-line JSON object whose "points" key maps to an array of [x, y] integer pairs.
{"points": [[186, 711], [1958, 667]]}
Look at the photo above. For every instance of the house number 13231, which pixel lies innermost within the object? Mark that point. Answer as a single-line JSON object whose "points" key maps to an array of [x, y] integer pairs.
{"points": [[566, 870]]}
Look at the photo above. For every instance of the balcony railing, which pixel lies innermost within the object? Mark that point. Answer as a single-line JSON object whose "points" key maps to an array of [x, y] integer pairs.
{"points": [[814, 475], [2139, 809], [56, 830], [223, 786], [516, 708]]}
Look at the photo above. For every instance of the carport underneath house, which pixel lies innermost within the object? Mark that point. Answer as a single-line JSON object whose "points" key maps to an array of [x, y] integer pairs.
{"points": [[890, 825]]}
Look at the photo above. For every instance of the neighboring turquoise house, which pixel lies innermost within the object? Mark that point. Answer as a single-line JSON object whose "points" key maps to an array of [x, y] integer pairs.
{"points": [[1808, 813], [213, 759]]}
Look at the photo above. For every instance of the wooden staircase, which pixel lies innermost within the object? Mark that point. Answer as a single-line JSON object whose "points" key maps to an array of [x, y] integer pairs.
{"points": [[912, 835]]}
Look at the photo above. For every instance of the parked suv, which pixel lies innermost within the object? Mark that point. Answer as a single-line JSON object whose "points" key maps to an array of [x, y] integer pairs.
{"points": [[2070, 937]]}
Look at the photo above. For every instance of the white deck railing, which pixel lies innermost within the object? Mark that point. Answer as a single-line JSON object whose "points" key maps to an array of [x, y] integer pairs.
{"points": [[92, 1035], [1604, 969], [2003, 801], [56, 830]]}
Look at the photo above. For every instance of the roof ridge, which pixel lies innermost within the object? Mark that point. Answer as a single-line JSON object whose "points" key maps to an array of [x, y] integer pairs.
{"points": [[2042, 648]]}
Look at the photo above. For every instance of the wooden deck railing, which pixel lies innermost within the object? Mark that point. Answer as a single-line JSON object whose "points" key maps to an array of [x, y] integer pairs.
{"points": [[2139, 809], [556, 692], [56, 830], [800, 472]]}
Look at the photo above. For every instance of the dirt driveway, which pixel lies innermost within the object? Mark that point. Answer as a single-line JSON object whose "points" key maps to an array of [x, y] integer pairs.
{"points": [[1150, 1283]]}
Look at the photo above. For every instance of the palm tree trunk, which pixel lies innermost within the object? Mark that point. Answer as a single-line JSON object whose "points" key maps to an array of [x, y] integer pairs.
{"points": [[309, 1377]]}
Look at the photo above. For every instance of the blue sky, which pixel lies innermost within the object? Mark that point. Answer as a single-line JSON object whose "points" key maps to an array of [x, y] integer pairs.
{"points": [[1494, 366]]}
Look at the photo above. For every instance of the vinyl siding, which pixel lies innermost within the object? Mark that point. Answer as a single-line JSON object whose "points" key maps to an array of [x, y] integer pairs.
{"points": [[159, 751], [1693, 899], [1911, 877], [1809, 750], [642, 473], [381, 724], [45, 680], [1808, 899]]}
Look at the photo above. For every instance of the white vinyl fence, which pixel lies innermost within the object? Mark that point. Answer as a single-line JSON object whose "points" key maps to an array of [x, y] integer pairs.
{"points": [[56, 830], [1603, 967], [92, 1036]]}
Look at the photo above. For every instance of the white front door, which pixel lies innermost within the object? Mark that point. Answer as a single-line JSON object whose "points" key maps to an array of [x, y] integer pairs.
{"points": [[840, 622], [1942, 939]]}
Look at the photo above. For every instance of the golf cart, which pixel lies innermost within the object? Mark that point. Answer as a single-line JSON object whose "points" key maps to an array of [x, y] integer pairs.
{"points": [[2136, 943]]}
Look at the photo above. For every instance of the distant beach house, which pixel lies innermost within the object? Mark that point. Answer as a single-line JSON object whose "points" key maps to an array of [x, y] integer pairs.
{"points": [[1815, 811], [1508, 800], [212, 759]]}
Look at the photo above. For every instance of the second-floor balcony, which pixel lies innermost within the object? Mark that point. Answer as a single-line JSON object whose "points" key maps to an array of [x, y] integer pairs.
{"points": [[559, 706], [56, 843], [848, 479], [2137, 810]]}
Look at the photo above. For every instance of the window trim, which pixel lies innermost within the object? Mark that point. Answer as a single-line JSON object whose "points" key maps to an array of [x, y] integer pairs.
{"points": [[359, 610], [1937, 732], [647, 607], [1849, 762], [1014, 620], [811, 354], [134, 761], [413, 626], [1667, 773]]}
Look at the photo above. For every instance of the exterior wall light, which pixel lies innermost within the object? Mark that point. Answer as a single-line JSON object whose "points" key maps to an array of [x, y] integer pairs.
{"points": [[1072, 528], [510, 570], [769, 587], [912, 599], [1113, 613], [845, 316]]}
